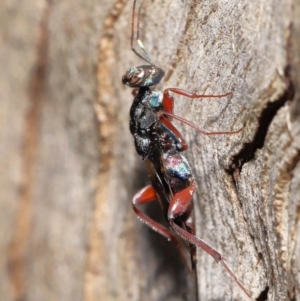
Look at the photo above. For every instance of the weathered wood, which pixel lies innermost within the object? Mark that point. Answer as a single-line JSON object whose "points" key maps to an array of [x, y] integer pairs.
{"points": [[69, 168]]}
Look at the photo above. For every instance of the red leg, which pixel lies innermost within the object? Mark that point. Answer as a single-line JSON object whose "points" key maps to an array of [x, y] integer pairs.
{"points": [[147, 195], [168, 100], [168, 105], [172, 128], [198, 129], [181, 205]]}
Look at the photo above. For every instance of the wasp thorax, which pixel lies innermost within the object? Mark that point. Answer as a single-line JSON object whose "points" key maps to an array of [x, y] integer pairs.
{"points": [[143, 76]]}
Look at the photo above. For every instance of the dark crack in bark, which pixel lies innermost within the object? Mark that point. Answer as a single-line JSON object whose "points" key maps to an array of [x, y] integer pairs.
{"points": [[263, 295], [247, 153]]}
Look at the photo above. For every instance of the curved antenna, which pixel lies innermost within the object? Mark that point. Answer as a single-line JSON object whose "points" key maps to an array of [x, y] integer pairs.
{"points": [[146, 56]]}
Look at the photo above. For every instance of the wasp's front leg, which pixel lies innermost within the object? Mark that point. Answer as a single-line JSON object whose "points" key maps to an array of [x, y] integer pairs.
{"points": [[168, 100]]}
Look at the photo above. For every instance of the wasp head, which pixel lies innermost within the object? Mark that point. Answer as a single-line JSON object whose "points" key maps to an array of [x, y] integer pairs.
{"points": [[143, 76]]}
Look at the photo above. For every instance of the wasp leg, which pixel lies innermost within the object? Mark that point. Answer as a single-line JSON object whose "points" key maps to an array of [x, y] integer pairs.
{"points": [[168, 100], [180, 205], [147, 195], [168, 104], [171, 128]]}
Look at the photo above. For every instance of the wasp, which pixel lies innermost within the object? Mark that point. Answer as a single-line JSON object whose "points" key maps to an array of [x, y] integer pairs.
{"points": [[160, 144]]}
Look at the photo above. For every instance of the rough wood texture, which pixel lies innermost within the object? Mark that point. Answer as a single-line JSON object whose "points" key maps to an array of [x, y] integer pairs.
{"points": [[69, 168]]}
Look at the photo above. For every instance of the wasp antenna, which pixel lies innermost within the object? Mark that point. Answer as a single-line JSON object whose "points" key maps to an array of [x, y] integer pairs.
{"points": [[138, 34], [146, 57], [140, 43]]}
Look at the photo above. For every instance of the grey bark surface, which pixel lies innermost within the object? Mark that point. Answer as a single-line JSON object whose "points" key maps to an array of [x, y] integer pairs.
{"points": [[69, 168]]}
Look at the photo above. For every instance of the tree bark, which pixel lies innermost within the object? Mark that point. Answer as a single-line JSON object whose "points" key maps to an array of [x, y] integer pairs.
{"points": [[69, 168]]}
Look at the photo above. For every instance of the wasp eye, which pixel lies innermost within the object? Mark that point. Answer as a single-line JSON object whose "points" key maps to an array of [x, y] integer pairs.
{"points": [[133, 77]]}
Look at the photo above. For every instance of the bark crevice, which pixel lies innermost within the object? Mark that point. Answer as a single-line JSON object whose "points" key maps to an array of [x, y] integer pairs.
{"points": [[247, 153], [263, 295]]}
